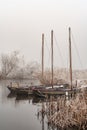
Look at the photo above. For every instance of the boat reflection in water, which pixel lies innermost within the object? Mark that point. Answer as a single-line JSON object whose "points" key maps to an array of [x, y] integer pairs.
{"points": [[11, 95], [19, 97], [41, 115]]}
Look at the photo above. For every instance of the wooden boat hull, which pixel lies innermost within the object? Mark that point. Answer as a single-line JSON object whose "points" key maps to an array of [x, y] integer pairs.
{"points": [[24, 90], [39, 90], [39, 94], [12, 89], [52, 91], [20, 91]]}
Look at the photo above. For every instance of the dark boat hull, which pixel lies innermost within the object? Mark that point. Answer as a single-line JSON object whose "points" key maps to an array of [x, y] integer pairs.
{"points": [[40, 90], [38, 94], [52, 91], [20, 91]]}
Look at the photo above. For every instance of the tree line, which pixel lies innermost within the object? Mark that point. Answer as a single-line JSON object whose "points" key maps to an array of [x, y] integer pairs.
{"points": [[13, 66]]}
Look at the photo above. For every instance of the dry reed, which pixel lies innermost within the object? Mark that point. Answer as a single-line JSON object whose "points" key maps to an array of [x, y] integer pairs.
{"points": [[68, 113]]}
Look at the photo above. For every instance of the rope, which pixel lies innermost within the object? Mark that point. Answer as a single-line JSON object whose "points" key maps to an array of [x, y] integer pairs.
{"points": [[76, 50], [48, 50], [40, 57], [62, 62]]}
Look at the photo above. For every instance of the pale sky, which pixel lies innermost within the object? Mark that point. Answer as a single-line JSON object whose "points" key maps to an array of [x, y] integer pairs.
{"points": [[22, 23]]}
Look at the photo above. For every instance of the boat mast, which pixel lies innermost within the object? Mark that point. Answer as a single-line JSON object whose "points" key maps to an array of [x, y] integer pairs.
{"points": [[52, 55], [70, 57], [42, 55]]}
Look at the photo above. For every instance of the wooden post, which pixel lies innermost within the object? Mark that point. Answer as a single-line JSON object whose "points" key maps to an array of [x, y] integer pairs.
{"points": [[42, 55], [70, 57], [52, 55], [43, 110]]}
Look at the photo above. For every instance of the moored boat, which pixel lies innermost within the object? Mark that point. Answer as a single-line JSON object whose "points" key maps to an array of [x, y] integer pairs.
{"points": [[56, 90], [20, 89]]}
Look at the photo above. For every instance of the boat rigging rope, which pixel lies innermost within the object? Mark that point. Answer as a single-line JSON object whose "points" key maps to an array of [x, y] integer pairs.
{"points": [[40, 57], [76, 50], [62, 61], [48, 50]]}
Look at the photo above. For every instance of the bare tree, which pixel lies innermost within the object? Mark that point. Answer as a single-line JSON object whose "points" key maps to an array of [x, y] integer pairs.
{"points": [[9, 63], [13, 66], [31, 69]]}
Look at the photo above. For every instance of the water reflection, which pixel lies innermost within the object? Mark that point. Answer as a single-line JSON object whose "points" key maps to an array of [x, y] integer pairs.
{"points": [[11, 95], [25, 97], [22, 112], [18, 112]]}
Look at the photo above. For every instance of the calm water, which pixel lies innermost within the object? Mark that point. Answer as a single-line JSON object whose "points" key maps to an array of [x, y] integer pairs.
{"points": [[20, 113], [17, 113]]}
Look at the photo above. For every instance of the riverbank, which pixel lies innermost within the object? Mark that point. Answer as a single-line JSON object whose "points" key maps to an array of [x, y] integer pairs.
{"points": [[67, 113]]}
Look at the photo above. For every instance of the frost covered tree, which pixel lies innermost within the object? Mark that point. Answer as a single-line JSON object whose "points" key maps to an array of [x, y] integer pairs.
{"points": [[9, 63]]}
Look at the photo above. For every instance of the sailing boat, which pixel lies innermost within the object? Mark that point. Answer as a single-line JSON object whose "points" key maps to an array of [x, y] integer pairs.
{"points": [[42, 90], [56, 90]]}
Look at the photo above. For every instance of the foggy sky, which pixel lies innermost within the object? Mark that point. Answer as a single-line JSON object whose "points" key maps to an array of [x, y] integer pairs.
{"points": [[22, 23]]}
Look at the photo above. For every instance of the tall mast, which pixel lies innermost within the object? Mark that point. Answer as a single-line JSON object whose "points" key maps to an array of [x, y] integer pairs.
{"points": [[42, 55], [70, 57], [52, 55]]}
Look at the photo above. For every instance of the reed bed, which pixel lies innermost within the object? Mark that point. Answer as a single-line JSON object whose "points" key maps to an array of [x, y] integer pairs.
{"points": [[65, 113]]}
